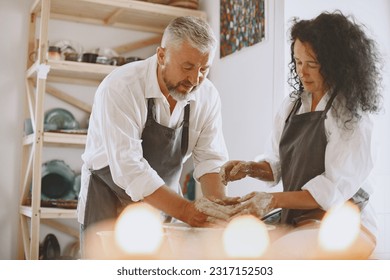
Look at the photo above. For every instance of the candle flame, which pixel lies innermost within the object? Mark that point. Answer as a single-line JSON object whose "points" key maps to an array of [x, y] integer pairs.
{"points": [[340, 227], [139, 230], [245, 237]]}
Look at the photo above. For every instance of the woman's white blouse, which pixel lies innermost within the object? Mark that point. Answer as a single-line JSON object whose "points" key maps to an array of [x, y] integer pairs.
{"points": [[348, 158]]}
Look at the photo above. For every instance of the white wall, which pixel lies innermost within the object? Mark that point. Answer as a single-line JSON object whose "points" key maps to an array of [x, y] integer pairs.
{"points": [[375, 15], [251, 85], [13, 20]]}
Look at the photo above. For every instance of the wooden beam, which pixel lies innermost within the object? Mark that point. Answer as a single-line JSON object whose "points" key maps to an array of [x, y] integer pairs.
{"points": [[137, 45], [30, 101], [35, 7], [69, 99], [61, 227], [152, 8], [32, 41], [68, 80], [27, 178], [25, 237], [113, 17], [38, 133]]}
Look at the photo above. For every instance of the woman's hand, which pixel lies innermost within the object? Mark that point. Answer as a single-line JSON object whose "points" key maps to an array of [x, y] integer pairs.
{"points": [[256, 203], [218, 211], [236, 170], [221, 211]]}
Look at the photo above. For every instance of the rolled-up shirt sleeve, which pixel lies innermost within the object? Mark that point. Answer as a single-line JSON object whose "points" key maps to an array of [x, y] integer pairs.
{"points": [[348, 163], [210, 151], [348, 156], [271, 151]]}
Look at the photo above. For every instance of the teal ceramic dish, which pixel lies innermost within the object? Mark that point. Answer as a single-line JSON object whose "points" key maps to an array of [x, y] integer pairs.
{"points": [[57, 181], [58, 118]]}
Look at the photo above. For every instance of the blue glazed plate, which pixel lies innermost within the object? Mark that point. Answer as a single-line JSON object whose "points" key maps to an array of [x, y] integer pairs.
{"points": [[59, 118]]}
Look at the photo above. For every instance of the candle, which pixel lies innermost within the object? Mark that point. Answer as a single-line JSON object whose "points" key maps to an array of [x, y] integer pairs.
{"points": [[245, 237], [340, 227], [138, 230]]}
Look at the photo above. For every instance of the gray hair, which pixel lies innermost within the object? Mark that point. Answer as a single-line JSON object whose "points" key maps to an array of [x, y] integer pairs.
{"points": [[194, 30]]}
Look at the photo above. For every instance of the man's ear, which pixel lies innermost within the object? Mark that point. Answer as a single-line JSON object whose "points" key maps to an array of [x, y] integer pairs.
{"points": [[160, 55]]}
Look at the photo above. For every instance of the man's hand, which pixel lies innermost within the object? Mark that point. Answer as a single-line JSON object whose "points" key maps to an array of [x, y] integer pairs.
{"points": [[197, 214], [221, 211], [214, 210]]}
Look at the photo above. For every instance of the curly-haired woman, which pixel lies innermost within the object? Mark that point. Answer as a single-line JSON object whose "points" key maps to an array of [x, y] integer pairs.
{"points": [[321, 142]]}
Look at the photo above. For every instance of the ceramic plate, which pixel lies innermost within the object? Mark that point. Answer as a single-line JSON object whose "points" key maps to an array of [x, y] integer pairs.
{"points": [[59, 118]]}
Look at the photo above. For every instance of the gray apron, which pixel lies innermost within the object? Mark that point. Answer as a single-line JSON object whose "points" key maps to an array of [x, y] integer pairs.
{"points": [[163, 147], [302, 155]]}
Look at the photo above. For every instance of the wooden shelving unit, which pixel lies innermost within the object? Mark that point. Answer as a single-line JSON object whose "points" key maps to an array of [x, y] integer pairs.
{"points": [[128, 14], [73, 72]]}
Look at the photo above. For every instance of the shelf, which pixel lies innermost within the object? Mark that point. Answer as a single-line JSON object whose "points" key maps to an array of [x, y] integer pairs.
{"points": [[50, 212], [129, 14], [58, 138], [64, 138], [73, 72]]}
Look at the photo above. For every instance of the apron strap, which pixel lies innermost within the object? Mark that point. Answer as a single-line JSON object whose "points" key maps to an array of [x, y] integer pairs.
{"points": [[186, 124], [184, 133], [298, 104], [329, 104], [294, 109], [150, 111]]}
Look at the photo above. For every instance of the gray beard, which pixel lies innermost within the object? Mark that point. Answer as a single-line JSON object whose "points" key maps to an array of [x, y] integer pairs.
{"points": [[180, 96]]}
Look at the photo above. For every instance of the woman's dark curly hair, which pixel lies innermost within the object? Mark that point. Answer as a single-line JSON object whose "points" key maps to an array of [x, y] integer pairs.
{"points": [[350, 62]]}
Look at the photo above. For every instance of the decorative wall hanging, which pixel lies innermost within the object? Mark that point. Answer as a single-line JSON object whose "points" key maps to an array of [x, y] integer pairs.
{"points": [[242, 24]]}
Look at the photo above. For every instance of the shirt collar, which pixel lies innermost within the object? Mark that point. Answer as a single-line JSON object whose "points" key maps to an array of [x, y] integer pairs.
{"points": [[152, 87], [306, 100]]}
